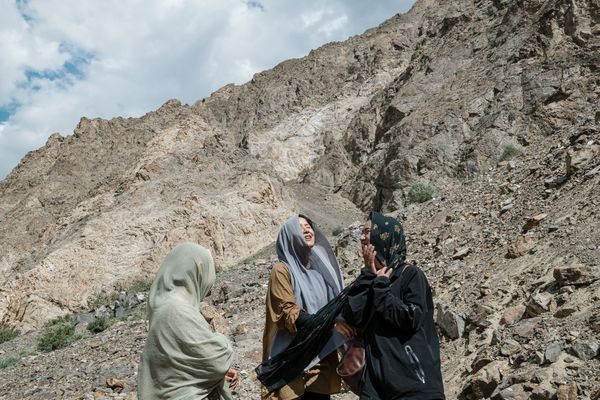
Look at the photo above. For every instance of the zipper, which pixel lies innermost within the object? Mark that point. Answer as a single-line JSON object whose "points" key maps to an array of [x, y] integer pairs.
{"points": [[414, 360]]}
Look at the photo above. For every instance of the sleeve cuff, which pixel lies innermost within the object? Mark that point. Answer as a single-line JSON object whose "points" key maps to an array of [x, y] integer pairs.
{"points": [[302, 319], [381, 282], [366, 273]]}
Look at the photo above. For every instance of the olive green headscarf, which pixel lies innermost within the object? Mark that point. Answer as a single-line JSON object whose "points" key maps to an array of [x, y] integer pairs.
{"points": [[387, 236], [183, 358]]}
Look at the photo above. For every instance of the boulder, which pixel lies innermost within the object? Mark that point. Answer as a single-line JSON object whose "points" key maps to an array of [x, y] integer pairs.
{"points": [[585, 349], [512, 314], [451, 324], [575, 274], [553, 352]]}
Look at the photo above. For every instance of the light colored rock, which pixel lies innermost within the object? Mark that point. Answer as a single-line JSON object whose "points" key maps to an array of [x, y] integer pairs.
{"points": [[520, 247], [567, 392], [512, 314]]}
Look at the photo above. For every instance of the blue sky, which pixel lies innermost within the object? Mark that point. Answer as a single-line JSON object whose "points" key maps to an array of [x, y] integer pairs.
{"points": [[61, 60]]}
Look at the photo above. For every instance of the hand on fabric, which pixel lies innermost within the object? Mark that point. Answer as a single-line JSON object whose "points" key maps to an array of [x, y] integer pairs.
{"points": [[344, 328], [368, 252], [385, 271], [233, 378]]}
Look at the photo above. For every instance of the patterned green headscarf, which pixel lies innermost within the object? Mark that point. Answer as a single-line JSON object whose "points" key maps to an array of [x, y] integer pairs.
{"points": [[387, 236]]}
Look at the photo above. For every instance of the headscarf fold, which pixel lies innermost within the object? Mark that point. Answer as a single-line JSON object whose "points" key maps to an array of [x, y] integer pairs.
{"points": [[387, 235], [183, 358], [303, 261]]}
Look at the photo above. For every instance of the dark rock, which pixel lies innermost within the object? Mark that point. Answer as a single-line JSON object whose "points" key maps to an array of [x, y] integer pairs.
{"points": [[585, 349], [564, 312], [575, 274], [450, 323], [533, 222]]}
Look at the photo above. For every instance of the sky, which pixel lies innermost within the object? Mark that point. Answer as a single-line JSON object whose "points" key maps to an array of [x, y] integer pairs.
{"points": [[61, 60]]}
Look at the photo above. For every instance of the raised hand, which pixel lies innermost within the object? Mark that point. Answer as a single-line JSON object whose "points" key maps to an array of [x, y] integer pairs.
{"points": [[368, 253]]}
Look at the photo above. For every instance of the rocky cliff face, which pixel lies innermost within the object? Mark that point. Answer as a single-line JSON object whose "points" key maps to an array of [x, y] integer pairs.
{"points": [[493, 104]]}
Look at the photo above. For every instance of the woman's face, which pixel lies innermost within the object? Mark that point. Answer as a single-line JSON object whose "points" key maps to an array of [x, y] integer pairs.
{"points": [[365, 240], [365, 236], [307, 232]]}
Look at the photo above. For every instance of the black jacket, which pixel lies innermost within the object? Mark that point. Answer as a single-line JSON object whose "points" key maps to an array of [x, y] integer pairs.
{"points": [[401, 342]]}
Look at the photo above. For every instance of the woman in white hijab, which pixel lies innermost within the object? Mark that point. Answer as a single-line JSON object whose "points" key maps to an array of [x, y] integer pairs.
{"points": [[306, 278], [183, 358]]}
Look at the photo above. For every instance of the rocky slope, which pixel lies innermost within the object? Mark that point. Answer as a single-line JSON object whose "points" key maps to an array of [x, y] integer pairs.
{"points": [[493, 104]]}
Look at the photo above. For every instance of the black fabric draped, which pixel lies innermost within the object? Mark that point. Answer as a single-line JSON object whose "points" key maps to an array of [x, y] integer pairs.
{"points": [[280, 369]]}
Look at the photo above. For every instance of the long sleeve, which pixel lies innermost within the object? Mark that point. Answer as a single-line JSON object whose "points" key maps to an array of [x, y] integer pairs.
{"points": [[358, 305], [281, 299], [281, 308], [402, 304]]}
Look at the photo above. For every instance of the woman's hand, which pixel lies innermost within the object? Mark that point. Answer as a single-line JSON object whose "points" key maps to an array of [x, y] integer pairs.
{"points": [[344, 328], [368, 253], [233, 378], [385, 271]]}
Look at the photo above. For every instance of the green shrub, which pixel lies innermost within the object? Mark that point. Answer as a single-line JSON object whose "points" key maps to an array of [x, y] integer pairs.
{"points": [[12, 360], [140, 285], [100, 324], [8, 361], [57, 334], [337, 231], [420, 192], [7, 333], [509, 152]]}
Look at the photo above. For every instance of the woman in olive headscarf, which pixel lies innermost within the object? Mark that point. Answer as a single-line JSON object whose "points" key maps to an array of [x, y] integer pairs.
{"points": [[183, 358], [393, 299], [305, 279]]}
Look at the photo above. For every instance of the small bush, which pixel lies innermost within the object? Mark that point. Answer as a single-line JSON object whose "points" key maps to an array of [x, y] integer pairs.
{"points": [[27, 352], [12, 360], [337, 231], [57, 334], [7, 333], [420, 192], [509, 152], [8, 361], [139, 285], [100, 324]]}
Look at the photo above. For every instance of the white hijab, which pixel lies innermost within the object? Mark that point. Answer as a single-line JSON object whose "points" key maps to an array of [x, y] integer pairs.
{"points": [[183, 358]]}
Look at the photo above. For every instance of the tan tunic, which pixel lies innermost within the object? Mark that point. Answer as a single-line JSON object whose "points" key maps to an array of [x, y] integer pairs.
{"points": [[282, 312]]}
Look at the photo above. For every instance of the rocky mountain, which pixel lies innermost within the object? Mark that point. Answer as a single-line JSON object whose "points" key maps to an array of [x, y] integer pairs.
{"points": [[475, 122]]}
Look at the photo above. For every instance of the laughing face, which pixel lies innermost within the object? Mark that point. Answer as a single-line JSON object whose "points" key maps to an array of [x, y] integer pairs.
{"points": [[307, 232]]}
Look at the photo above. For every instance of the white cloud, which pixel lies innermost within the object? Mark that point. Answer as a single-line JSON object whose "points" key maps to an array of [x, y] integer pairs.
{"points": [[64, 59]]}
